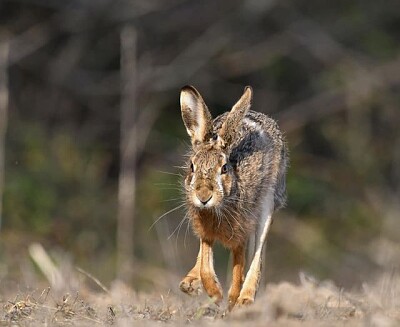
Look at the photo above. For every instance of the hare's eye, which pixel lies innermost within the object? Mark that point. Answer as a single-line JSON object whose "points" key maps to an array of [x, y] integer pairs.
{"points": [[215, 137], [224, 169], [192, 167]]}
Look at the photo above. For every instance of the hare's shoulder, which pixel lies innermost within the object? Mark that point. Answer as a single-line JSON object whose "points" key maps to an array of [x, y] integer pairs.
{"points": [[258, 136], [253, 123]]}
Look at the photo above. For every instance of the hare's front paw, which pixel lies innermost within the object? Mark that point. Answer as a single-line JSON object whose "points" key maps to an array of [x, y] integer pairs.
{"points": [[191, 285], [244, 300]]}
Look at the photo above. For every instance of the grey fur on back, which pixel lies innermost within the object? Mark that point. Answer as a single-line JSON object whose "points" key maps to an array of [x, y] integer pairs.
{"points": [[259, 133]]}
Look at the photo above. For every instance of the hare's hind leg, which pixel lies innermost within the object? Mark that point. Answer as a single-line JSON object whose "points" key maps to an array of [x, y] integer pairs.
{"points": [[207, 273], [191, 284], [250, 285], [237, 276]]}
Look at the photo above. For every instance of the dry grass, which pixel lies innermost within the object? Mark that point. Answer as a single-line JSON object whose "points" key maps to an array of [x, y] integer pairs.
{"points": [[310, 303]]}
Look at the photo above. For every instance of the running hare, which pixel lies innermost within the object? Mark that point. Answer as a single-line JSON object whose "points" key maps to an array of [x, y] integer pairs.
{"points": [[234, 181]]}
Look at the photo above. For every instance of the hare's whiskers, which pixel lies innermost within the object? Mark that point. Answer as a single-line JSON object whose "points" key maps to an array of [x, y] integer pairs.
{"points": [[169, 173], [242, 208], [236, 199], [232, 215], [163, 215], [177, 228], [185, 218], [233, 232], [175, 199], [248, 211], [219, 217], [186, 232], [239, 224]]}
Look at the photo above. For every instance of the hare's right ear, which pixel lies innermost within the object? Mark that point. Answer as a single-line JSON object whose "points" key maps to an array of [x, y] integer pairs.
{"points": [[229, 129], [195, 115]]}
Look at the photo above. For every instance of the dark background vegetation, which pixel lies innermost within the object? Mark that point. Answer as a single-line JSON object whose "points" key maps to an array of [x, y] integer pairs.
{"points": [[328, 71]]}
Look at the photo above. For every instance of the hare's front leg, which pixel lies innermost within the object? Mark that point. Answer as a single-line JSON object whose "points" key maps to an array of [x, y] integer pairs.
{"points": [[207, 273], [237, 276], [250, 285], [191, 284]]}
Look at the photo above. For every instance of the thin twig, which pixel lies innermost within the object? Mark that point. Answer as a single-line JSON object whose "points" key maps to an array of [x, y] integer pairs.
{"points": [[98, 282]]}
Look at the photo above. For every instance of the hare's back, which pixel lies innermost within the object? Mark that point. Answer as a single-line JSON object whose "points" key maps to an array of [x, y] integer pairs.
{"points": [[259, 156], [258, 132]]}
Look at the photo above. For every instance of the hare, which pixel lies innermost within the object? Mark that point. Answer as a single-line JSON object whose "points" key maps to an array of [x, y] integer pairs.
{"points": [[235, 179]]}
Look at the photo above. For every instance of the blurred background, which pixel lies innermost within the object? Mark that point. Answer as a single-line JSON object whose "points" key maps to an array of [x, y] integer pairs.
{"points": [[91, 135]]}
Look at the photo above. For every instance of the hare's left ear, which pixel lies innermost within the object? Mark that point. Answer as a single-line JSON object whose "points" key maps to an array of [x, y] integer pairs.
{"points": [[195, 115], [230, 127]]}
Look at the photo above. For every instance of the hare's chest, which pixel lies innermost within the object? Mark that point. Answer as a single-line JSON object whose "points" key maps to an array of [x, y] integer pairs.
{"points": [[228, 230]]}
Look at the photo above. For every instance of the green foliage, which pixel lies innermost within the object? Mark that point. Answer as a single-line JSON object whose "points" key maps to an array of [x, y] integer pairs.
{"points": [[57, 187]]}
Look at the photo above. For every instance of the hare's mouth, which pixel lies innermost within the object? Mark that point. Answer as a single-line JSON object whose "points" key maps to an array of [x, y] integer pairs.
{"points": [[200, 202]]}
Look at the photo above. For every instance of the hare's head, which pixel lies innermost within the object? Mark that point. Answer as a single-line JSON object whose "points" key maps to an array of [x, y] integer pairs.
{"points": [[211, 179]]}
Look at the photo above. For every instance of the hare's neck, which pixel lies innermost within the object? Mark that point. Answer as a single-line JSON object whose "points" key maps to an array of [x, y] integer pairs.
{"points": [[227, 227]]}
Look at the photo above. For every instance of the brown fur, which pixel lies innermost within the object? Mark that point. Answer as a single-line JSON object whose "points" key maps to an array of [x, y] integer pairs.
{"points": [[235, 179]]}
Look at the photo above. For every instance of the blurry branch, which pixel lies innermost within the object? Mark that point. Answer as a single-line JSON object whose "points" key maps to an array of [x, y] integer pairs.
{"points": [[190, 60], [336, 100], [396, 166], [319, 106], [67, 60], [128, 10], [257, 56], [319, 44], [331, 53], [152, 79], [155, 79], [145, 122], [26, 43], [96, 280], [4, 55], [361, 81], [303, 32], [128, 154], [259, 8], [171, 257], [46, 265]]}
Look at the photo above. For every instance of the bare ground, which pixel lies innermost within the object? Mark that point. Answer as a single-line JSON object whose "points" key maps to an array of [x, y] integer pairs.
{"points": [[309, 303]]}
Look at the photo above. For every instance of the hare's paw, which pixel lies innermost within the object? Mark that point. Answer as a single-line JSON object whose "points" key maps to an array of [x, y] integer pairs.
{"points": [[212, 288], [232, 299], [191, 285], [244, 300], [231, 304]]}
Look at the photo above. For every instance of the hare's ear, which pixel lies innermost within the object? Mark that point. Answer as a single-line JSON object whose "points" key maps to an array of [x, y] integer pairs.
{"points": [[195, 115], [230, 127]]}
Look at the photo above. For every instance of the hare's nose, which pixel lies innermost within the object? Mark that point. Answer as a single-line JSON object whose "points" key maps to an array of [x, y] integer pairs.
{"points": [[204, 196], [203, 201]]}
